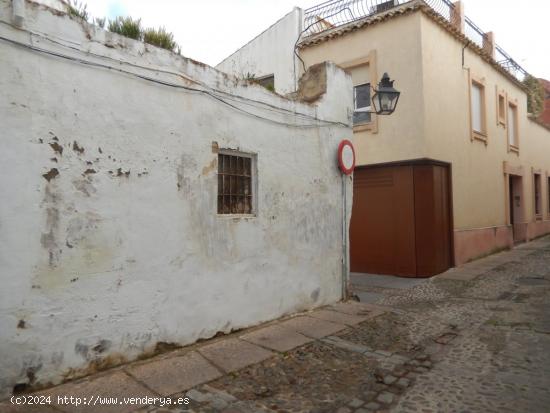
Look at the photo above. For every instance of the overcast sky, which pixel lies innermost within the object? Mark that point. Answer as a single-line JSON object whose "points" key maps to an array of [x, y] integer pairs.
{"points": [[210, 30]]}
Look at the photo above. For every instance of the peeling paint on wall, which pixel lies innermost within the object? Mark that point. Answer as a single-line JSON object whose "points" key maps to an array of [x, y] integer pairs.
{"points": [[57, 148], [113, 241], [51, 174], [212, 166], [49, 237], [77, 148]]}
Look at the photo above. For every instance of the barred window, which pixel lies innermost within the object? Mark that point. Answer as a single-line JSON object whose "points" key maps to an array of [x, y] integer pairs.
{"points": [[235, 184]]}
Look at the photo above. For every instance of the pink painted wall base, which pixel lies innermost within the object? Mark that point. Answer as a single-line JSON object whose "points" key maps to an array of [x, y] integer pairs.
{"points": [[476, 243]]}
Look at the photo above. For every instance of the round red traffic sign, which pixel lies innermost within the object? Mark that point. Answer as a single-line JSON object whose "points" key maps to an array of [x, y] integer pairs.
{"points": [[346, 157]]}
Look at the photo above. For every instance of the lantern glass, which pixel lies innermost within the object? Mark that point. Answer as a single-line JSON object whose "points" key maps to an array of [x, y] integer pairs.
{"points": [[386, 97]]}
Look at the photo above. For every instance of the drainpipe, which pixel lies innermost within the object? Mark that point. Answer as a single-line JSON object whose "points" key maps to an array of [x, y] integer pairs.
{"points": [[299, 15], [18, 7]]}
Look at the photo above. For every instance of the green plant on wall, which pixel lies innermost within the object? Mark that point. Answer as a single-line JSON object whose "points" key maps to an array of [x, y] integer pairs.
{"points": [[126, 26], [267, 82], [100, 21], [78, 9], [161, 38], [535, 96]]}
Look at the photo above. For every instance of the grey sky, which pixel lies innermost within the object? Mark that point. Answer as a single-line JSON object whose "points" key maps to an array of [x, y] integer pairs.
{"points": [[210, 30]]}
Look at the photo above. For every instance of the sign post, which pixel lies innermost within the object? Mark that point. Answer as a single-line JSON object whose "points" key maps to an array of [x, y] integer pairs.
{"points": [[346, 163]]}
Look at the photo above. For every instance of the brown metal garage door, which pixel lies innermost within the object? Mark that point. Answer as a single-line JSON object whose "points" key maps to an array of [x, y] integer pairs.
{"points": [[401, 219]]}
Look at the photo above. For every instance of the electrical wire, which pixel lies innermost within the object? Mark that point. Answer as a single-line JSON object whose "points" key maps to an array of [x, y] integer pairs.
{"points": [[309, 27], [213, 93]]}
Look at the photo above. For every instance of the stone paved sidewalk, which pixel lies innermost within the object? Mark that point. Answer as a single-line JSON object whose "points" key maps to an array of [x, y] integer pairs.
{"points": [[475, 339]]}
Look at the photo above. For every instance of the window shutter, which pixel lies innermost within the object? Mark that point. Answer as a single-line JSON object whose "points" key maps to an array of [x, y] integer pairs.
{"points": [[476, 108], [512, 126]]}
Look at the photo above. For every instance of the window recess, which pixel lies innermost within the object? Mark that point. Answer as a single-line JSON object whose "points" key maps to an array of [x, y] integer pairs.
{"points": [[235, 183]]}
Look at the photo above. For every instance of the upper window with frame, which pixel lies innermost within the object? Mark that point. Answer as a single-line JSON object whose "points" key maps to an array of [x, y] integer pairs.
{"points": [[537, 194], [363, 74], [513, 138], [362, 106], [236, 183], [501, 108], [478, 114]]}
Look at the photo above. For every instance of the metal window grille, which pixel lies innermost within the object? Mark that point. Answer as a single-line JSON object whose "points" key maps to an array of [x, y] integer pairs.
{"points": [[234, 184]]}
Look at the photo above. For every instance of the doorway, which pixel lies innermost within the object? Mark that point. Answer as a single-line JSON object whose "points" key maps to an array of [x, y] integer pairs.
{"points": [[515, 207], [401, 220]]}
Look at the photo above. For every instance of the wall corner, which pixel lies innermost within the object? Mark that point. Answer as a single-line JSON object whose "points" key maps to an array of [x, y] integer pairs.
{"points": [[331, 89]]}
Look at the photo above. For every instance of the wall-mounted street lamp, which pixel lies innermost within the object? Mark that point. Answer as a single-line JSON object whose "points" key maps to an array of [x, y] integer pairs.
{"points": [[385, 97]]}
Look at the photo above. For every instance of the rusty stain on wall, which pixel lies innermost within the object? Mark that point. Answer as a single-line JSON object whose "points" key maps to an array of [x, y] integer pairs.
{"points": [[48, 238], [96, 365], [210, 167]]}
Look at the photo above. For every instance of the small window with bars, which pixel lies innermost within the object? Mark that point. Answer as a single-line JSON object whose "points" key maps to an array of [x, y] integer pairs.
{"points": [[235, 183]]}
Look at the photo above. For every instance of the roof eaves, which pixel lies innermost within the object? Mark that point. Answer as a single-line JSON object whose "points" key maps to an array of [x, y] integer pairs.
{"points": [[358, 24], [406, 9]]}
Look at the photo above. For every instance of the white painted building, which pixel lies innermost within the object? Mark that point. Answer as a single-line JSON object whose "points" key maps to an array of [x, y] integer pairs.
{"points": [[271, 54], [116, 231]]}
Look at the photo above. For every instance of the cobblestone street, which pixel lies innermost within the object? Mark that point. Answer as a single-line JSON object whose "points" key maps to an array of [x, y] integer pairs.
{"points": [[455, 343], [475, 339]]}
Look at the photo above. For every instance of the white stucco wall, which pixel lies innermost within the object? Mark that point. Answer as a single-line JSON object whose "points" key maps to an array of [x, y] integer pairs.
{"points": [[271, 52], [123, 249]]}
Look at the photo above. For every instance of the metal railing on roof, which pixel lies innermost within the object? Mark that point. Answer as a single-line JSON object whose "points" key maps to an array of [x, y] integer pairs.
{"points": [[510, 64], [480, 38], [474, 33], [335, 13]]}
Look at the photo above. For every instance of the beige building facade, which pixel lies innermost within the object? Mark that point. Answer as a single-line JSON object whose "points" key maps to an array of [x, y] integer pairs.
{"points": [[434, 120], [458, 108]]}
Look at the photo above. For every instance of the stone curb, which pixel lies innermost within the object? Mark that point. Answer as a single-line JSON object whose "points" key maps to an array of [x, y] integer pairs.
{"points": [[208, 357]]}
